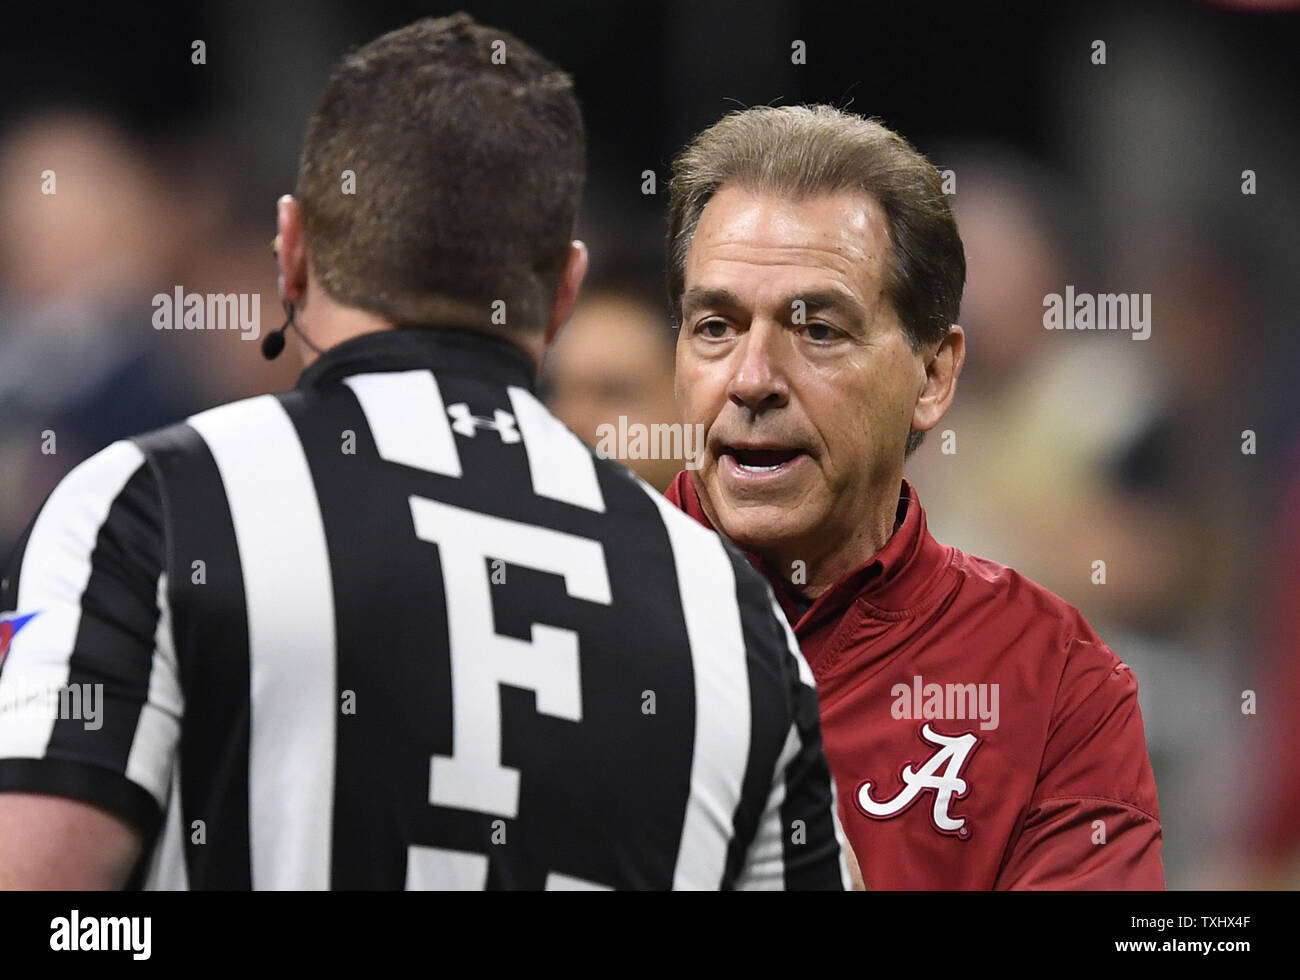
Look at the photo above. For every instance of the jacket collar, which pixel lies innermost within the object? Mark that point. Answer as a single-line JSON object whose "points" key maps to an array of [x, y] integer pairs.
{"points": [[449, 349], [895, 582]]}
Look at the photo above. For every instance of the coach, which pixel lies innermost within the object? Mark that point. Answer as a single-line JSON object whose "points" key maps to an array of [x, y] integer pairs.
{"points": [[980, 733]]}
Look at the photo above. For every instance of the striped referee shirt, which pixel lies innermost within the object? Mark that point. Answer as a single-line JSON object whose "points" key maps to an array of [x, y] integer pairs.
{"points": [[399, 628]]}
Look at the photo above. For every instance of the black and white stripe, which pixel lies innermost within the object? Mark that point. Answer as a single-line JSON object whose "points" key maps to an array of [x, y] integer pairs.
{"points": [[90, 643], [348, 645]]}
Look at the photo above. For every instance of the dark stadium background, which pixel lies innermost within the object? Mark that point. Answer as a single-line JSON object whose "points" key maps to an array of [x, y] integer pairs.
{"points": [[1123, 177]]}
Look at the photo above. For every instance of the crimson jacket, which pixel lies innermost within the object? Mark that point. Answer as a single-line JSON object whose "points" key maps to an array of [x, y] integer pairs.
{"points": [[981, 735]]}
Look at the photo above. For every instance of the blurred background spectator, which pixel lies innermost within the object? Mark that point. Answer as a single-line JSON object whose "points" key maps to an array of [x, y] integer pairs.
{"points": [[171, 131], [614, 359]]}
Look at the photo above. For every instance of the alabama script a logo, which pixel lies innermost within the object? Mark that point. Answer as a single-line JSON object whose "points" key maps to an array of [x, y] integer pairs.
{"points": [[940, 773]]}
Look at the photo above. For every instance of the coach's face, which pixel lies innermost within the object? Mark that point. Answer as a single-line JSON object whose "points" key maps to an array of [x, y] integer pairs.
{"points": [[800, 372]]}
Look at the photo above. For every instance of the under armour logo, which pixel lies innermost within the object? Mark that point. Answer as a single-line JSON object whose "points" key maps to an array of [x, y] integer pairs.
{"points": [[464, 423], [951, 757]]}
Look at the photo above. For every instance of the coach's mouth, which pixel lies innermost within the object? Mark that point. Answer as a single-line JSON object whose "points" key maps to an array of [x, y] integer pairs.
{"points": [[755, 465]]}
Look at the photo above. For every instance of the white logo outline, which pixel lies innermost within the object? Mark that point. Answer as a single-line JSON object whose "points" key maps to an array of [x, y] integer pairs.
{"points": [[953, 752]]}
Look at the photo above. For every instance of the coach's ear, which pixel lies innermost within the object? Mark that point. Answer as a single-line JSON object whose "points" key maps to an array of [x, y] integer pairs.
{"points": [[575, 268], [940, 385]]}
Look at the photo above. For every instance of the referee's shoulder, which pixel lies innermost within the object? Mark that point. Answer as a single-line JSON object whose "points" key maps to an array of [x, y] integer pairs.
{"points": [[181, 435], [768, 639], [691, 540]]}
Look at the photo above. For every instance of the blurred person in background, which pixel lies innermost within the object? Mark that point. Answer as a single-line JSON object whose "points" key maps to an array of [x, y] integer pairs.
{"points": [[614, 360], [1041, 412], [1270, 850], [91, 230], [124, 220], [1194, 464], [1184, 150]]}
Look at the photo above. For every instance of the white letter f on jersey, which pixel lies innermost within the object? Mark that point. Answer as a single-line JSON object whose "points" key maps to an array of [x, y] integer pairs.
{"points": [[473, 777]]}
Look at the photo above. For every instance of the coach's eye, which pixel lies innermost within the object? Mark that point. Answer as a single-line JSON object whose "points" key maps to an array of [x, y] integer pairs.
{"points": [[821, 332], [714, 329]]}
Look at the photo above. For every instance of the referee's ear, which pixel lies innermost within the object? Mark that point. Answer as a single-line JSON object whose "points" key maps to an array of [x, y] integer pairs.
{"points": [[291, 252], [566, 294]]}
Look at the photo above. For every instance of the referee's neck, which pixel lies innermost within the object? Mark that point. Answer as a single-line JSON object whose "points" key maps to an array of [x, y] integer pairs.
{"points": [[326, 323]]}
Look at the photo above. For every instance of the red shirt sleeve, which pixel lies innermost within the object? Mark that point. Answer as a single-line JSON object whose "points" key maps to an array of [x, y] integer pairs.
{"points": [[1094, 821]]}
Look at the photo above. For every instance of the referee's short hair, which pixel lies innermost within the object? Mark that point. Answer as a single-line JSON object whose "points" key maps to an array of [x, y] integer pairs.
{"points": [[468, 158]]}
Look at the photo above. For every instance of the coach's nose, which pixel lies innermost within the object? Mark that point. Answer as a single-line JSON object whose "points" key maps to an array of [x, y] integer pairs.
{"points": [[758, 378]]}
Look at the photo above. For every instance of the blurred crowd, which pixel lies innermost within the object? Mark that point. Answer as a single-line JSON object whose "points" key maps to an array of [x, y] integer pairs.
{"points": [[1174, 460]]}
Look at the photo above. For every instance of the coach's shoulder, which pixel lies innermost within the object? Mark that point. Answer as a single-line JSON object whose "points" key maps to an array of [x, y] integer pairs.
{"points": [[697, 548], [1016, 593], [684, 531], [1017, 598], [1087, 671], [1095, 747]]}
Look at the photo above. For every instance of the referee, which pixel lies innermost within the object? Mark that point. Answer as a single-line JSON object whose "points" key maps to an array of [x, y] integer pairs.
{"points": [[398, 628]]}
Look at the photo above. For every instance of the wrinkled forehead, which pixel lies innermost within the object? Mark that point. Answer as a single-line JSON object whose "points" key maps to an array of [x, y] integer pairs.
{"points": [[767, 244]]}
